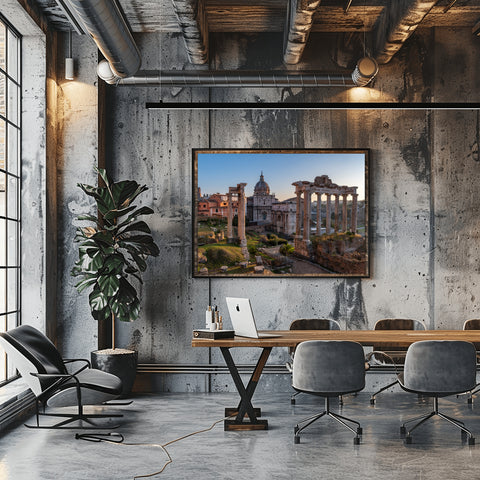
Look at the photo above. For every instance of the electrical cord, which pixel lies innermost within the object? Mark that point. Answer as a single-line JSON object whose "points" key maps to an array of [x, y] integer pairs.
{"points": [[118, 439]]}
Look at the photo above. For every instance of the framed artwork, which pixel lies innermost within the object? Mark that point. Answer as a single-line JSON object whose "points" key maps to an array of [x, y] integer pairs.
{"points": [[280, 213]]}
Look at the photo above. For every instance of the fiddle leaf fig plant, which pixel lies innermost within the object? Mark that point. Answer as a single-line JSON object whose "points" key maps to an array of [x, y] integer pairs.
{"points": [[114, 250]]}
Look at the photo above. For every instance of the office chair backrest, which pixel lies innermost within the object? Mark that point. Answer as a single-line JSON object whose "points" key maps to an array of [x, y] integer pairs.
{"points": [[329, 366], [440, 366], [398, 324], [314, 324], [472, 324], [30, 351]]}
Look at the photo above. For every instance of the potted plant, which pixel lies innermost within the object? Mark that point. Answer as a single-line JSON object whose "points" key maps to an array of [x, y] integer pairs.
{"points": [[112, 254]]}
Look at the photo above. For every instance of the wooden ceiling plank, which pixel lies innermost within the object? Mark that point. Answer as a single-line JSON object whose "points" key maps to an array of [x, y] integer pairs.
{"points": [[299, 23], [193, 23], [395, 25]]}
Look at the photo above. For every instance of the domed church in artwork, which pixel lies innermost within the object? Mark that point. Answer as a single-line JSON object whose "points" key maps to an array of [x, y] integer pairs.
{"points": [[259, 206]]}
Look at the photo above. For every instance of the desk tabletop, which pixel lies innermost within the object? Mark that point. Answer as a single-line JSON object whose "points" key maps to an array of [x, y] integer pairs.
{"points": [[291, 338]]}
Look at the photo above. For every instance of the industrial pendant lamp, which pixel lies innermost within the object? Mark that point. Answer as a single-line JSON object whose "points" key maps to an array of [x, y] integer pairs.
{"points": [[69, 71], [365, 71]]}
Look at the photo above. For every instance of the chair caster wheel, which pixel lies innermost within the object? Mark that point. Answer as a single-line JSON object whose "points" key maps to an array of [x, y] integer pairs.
{"points": [[296, 439], [403, 430], [471, 441], [372, 401], [356, 441], [292, 401], [408, 440], [360, 431]]}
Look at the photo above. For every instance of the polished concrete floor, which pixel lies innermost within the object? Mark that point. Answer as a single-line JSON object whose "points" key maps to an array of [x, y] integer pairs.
{"points": [[326, 450]]}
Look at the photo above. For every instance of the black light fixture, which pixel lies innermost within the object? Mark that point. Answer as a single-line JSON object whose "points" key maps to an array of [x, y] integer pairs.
{"points": [[365, 71], [69, 69]]}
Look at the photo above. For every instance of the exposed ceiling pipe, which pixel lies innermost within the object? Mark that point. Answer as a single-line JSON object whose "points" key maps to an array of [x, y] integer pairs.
{"points": [[108, 28], [203, 78]]}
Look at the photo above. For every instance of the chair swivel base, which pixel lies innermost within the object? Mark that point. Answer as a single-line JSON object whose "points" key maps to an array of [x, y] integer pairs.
{"points": [[71, 418], [423, 418], [339, 418]]}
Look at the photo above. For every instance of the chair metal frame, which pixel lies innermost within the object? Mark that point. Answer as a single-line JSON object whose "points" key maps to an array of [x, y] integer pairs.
{"points": [[472, 324], [292, 349], [304, 423], [388, 355], [421, 419], [46, 385]]}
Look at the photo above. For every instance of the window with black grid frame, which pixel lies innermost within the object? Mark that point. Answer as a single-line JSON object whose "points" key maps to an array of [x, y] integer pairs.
{"points": [[10, 173]]}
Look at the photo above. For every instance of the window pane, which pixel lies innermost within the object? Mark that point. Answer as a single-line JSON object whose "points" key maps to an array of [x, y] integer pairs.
{"points": [[13, 153], [12, 58], [3, 198], [2, 143], [3, 92], [2, 46], [12, 251], [3, 291], [12, 197], [12, 289], [3, 241], [12, 102]]}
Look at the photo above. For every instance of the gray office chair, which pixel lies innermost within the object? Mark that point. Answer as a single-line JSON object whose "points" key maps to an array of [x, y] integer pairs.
{"points": [[45, 372], [394, 355], [309, 324], [328, 369], [472, 324], [438, 368]]}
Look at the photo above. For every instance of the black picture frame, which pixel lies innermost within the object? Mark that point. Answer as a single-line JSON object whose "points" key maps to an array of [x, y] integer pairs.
{"points": [[269, 240]]}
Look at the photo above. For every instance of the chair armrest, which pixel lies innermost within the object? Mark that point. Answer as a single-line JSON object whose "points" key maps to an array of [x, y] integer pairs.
{"points": [[71, 360], [369, 356], [61, 378]]}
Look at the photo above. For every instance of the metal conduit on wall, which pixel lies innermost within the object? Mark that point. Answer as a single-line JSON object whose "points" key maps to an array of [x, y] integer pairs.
{"points": [[105, 23], [237, 79]]}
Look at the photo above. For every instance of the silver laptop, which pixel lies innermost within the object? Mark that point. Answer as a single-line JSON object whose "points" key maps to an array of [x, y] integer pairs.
{"points": [[241, 315]]}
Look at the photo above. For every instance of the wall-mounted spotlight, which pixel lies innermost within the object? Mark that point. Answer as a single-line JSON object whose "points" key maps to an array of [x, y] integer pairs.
{"points": [[365, 71], [69, 70]]}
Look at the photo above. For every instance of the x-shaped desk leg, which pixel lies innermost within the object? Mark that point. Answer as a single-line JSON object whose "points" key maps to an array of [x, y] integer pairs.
{"points": [[245, 406]]}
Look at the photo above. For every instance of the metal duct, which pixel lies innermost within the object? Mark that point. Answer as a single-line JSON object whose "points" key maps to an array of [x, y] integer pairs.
{"points": [[191, 78], [105, 23]]}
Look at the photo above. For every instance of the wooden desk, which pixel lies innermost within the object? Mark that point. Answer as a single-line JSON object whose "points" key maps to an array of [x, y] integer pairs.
{"points": [[291, 338]]}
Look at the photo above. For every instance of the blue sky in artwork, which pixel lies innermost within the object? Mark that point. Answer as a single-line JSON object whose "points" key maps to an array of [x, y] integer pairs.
{"points": [[218, 171]]}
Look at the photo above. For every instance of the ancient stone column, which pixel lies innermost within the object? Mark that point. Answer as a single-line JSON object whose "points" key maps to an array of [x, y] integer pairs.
{"points": [[344, 212], [337, 198], [353, 220], [319, 212], [230, 218], [241, 219], [307, 199], [298, 213], [327, 214]]}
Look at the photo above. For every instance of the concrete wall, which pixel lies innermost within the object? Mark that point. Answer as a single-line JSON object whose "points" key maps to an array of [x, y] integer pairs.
{"points": [[424, 177]]}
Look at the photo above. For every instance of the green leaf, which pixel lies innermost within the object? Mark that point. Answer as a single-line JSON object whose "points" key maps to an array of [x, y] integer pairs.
{"points": [[115, 213], [88, 217], [137, 213], [82, 285], [114, 263], [109, 284], [141, 263], [97, 300], [140, 226]]}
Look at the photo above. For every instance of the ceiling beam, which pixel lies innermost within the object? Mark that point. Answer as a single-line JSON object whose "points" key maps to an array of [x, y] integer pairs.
{"points": [[193, 23], [297, 29], [395, 25]]}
